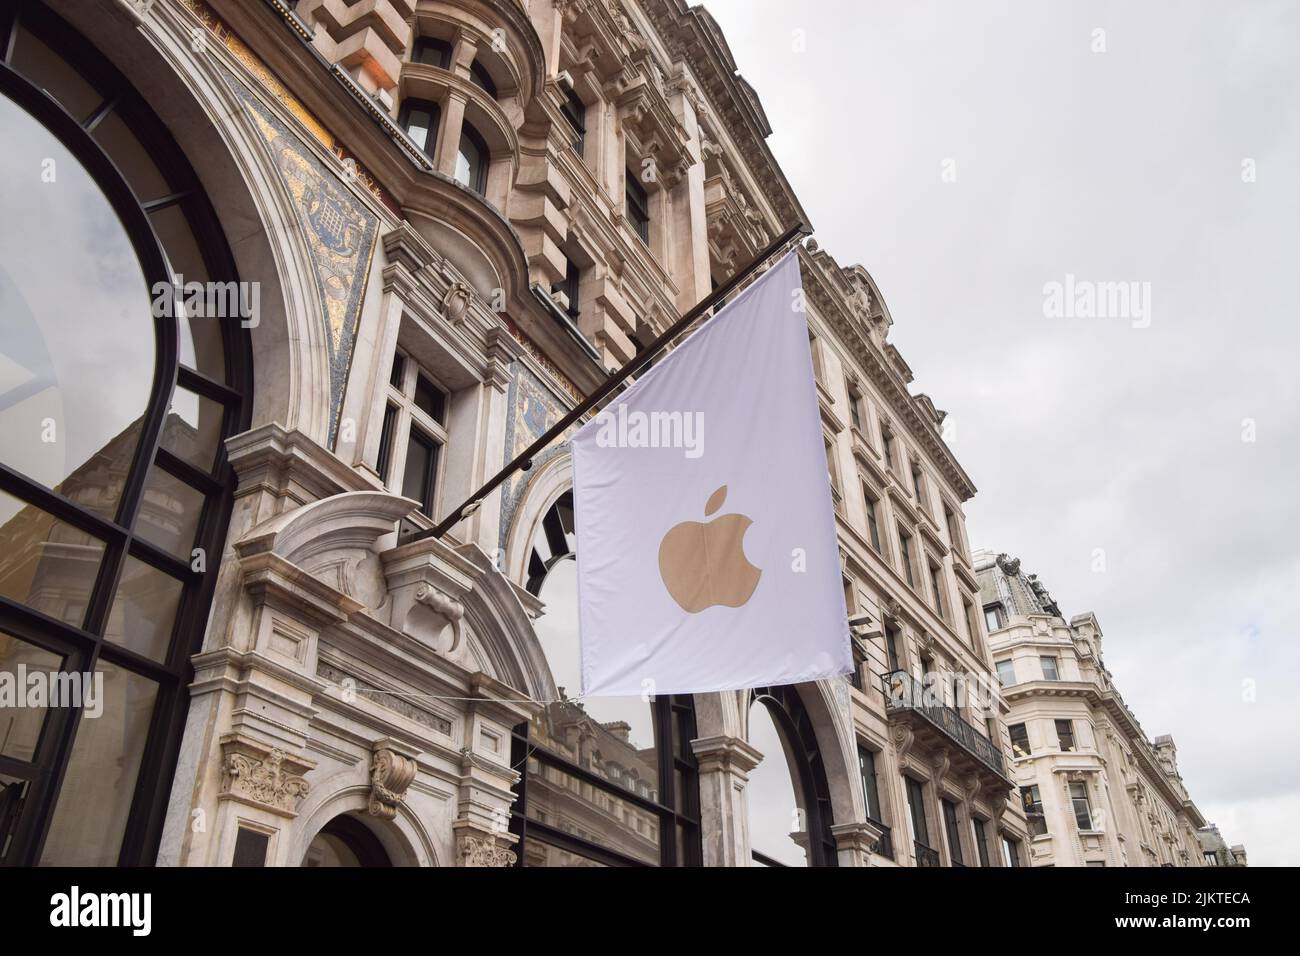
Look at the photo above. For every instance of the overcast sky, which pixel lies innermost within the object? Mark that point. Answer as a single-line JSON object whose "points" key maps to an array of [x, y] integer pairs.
{"points": [[1118, 433]]}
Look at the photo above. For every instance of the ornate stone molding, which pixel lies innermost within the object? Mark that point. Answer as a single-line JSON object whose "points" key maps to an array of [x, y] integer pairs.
{"points": [[472, 850], [262, 775], [391, 774]]}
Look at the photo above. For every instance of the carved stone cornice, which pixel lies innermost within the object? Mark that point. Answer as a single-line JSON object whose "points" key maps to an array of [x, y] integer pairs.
{"points": [[725, 753]]}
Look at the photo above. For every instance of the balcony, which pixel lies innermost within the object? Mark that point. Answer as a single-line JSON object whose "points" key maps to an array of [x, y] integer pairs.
{"points": [[937, 723], [925, 856]]}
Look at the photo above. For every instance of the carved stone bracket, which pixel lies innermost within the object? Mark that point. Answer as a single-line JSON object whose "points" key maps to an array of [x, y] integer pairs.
{"points": [[427, 584], [391, 773]]}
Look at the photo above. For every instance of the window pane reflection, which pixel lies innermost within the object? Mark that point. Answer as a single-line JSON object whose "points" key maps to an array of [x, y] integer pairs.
{"points": [[192, 430], [95, 798], [776, 827], [613, 737], [77, 349], [45, 563], [144, 609], [169, 513], [20, 726]]}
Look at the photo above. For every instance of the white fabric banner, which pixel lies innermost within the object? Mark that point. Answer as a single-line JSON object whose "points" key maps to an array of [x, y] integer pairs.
{"points": [[707, 555]]}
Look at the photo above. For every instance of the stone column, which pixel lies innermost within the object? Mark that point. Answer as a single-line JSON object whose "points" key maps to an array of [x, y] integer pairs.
{"points": [[725, 763]]}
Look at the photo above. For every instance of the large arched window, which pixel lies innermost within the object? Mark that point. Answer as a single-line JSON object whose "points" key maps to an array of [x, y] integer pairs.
{"points": [[610, 781], [787, 795], [114, 488]]}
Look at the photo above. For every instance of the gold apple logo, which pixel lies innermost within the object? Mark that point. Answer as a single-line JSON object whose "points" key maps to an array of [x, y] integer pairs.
{"points": [[704, 563]]}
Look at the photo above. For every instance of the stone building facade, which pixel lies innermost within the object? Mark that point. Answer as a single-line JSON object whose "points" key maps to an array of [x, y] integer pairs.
{"points": [[432, 225], [1096, 790]]}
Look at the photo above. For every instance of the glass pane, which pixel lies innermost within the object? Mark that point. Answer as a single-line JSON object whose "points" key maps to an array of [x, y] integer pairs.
{"points": [[131, 158], [169, 514], [76, 332], [91, 813], [537, 853], [421, 460], [590, 813], [45, 563], [420, 125], [144, 609], [22, 713], [469, 163], [36, 61], [611, 736], [430, 399], [200, 341], [192, 430], [776, 822]]}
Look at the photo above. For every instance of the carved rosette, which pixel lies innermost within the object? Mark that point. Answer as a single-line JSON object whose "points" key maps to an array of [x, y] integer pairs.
{"points": [[390, 774]]}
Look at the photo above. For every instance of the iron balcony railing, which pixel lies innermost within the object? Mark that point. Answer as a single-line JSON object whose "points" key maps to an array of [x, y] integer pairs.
{"points": [[905, 692], [924, 855], [885, 845]]}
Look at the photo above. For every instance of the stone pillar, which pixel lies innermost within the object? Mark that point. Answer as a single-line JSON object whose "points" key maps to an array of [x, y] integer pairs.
{"points": [[853, 841], [725, 763]]}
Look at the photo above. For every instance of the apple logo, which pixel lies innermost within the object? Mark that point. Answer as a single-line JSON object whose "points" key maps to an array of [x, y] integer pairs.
{"points": [[703, 563]]}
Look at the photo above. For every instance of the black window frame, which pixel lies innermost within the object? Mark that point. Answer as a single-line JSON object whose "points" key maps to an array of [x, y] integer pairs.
{"points": [[952, 829], [636, 206], [1026, 750], [479, 175], [412, 103], [575, 111], [795, 725], [84, 646]]}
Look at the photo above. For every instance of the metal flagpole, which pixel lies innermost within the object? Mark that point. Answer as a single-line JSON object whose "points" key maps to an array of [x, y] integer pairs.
{"points": [[524, 460]]}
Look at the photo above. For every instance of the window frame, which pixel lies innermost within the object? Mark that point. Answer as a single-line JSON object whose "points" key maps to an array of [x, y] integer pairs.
{"points": [[1043, 660], [83, 645], [430, 146], [1026, 750], [636, 199]]}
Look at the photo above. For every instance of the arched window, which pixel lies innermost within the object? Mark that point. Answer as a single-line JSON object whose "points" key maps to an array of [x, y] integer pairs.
{"points": [[472, 160], [481, 78], [114, 488], [788, 795], [610, 781], [420, 120]]}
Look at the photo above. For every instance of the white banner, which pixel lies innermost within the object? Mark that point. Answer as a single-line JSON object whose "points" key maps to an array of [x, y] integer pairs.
{"points": [[707, 555]]}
